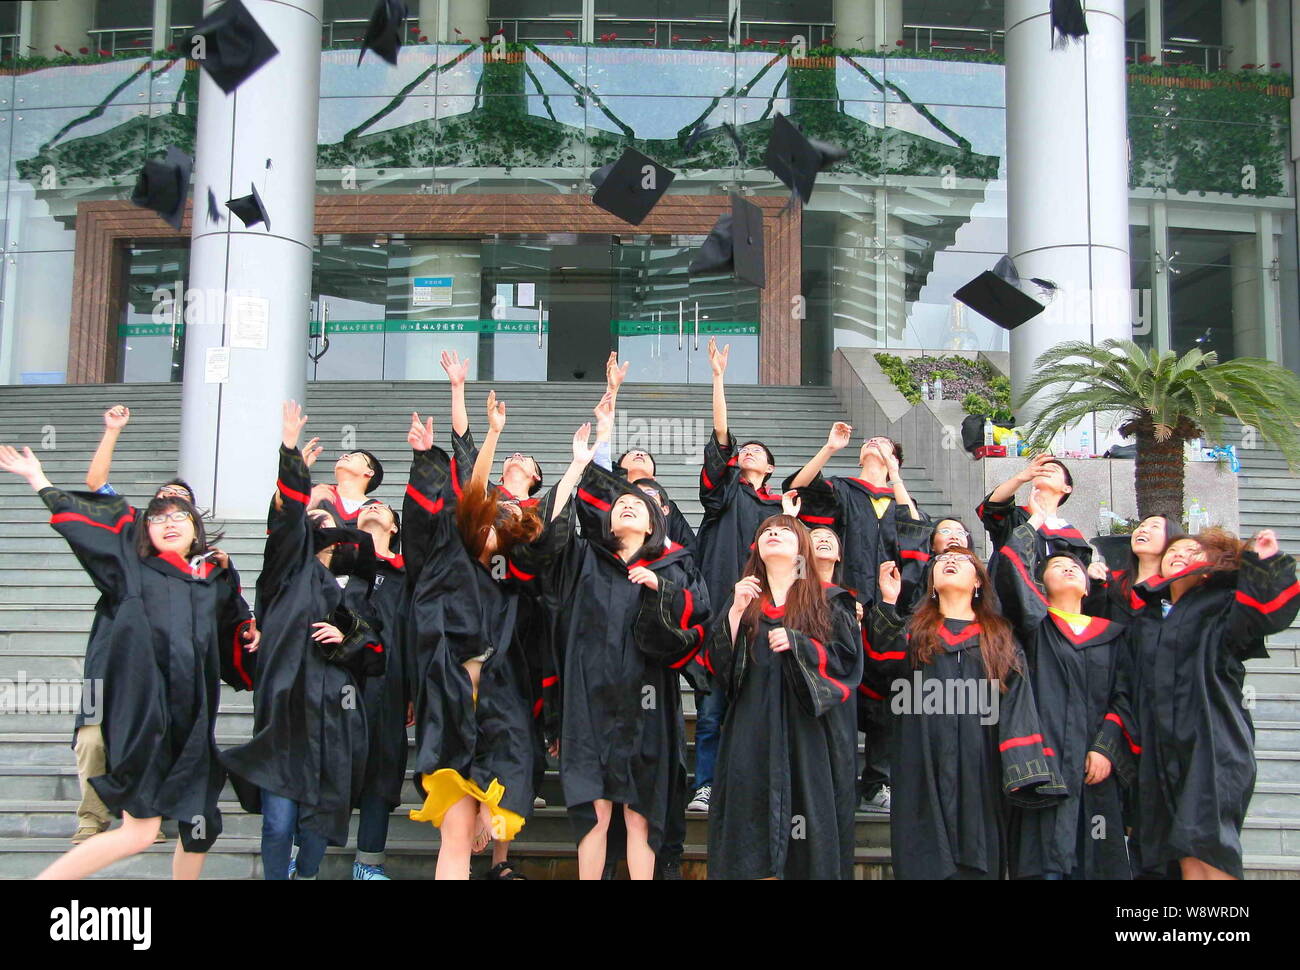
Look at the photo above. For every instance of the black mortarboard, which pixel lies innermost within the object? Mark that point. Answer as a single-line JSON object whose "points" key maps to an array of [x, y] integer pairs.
{"points": [[250, 209], [384, 32], [164, 186], [621, 189], [997, 294], [736, 244], [234, 45], [796, 159]]}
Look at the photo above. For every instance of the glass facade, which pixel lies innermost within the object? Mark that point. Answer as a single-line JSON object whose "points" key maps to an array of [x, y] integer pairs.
{"points": [[917, 209]]}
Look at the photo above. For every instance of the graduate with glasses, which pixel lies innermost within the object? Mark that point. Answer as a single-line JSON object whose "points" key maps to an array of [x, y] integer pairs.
{"points": [[171, 631]]}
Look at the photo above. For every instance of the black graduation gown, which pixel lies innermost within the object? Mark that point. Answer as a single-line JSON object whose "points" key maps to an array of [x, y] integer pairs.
{"points": [[619, 649], [1196, 774], [914, 555], [386, 695], [309, 721], [1081, 684], [1000, 519], [954, 778], [169, 633], [849, 506], [461, 609], [783, 792], [533, 624], [733, 511]]}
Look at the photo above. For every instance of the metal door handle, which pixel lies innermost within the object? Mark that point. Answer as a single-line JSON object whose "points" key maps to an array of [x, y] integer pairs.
{"points": [[697, 325], [681, 324], [539, 323]]}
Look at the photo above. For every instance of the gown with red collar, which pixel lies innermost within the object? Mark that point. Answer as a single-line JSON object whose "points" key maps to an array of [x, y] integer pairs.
{"points": [[386, 696], [784, 790], [1081, 683], [1000, 519], [170, 632], [866, 517], [959, 765], [1196, 774], [619, 649], [733, 511]]}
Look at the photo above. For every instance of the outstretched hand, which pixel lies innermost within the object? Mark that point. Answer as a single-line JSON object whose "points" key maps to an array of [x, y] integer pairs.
{"points": [[420, 435], [889, 581], [841, 434], [614, 374], [311, 451], [292, 423], [718, 358], [791, 503], [496, 413], [604, 412], [583, 451], [116, 417], [21, 463], [457, 369]]}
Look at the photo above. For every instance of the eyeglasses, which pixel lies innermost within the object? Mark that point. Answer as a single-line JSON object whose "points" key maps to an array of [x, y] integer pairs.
{"points": [[951, 557], [951, 532], [177, 515], [753, 452], [353, 454]]}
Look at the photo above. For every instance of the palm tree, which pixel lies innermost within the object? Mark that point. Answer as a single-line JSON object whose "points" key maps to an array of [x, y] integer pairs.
{"points": [[1163, 400]]}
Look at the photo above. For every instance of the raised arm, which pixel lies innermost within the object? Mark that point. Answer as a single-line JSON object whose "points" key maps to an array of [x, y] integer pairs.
{"points": [[1006, 492], [901, 495], [25, 465], [718, 364], [582, 455], [839, 437], [496, 414], [457, 370], [115, 419]]}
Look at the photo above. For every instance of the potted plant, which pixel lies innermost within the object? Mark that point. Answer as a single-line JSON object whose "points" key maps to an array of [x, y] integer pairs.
{"points": [[1163, 400]]}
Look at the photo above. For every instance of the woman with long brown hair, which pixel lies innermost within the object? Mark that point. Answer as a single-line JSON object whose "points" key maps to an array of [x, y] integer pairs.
{"points": [[1208, 611], [783, 795], [474, 756], [966, 737]]}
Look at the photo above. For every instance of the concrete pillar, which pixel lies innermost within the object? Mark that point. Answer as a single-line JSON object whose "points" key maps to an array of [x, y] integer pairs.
{"points": [[1155, 20], [1247, 325], [230, 431], [470, 16], [1067, 178], [868, 24], [1161, 305], [162, 22], [1270, 295], [66, 23], [1245, 32], [432, 18]]}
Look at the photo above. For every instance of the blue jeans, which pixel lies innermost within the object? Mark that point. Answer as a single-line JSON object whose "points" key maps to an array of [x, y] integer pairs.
{"points": [[280, 817], [709, 712], [372, 828]]}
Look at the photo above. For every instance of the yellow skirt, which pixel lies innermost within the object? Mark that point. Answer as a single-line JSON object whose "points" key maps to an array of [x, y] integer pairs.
{"points": [[446, 786]]}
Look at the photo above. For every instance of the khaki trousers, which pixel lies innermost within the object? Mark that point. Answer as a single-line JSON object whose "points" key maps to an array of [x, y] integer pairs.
{"points": [[91, 761]]}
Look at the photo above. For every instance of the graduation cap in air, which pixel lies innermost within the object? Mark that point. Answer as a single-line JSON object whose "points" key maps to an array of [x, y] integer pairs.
{"points": [[163, 186], [630, 187], [796, 159], [233, 45], [384, 32], [736, 244], [250, 209], [999, 295]]}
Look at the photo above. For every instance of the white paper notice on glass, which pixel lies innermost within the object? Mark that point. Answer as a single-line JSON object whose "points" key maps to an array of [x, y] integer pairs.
{"points": [[216, 366], [505, 294], [249, 320], [525, 294]]}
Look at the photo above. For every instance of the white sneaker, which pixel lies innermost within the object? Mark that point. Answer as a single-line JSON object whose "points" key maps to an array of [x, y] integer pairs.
{"points": [[539, 802], [700, 803], [880, 801]]}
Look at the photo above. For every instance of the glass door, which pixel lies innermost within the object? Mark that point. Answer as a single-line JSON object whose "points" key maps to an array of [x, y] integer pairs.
{"points": [[664, 317], [151, 330]]}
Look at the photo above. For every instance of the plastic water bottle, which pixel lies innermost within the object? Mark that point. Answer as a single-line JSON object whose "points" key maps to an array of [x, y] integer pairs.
{"points": [[938, 388], [1195, 517], [1085, 442], [1103, 518], [988, 430], [925, 390]]}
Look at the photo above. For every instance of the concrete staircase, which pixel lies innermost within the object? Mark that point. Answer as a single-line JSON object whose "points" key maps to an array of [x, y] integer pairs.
{"points": [[46, 601]]}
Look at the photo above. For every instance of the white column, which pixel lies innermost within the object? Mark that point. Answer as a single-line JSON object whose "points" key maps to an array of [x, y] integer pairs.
{"points": [[162, 23], [1245, 32], [868, 24], [1269, 294], [230, 432], [66, 23], [1067, 177], [470, 16], [1244, 273], [432, 18], [1161, 305], [1155, 19]]}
